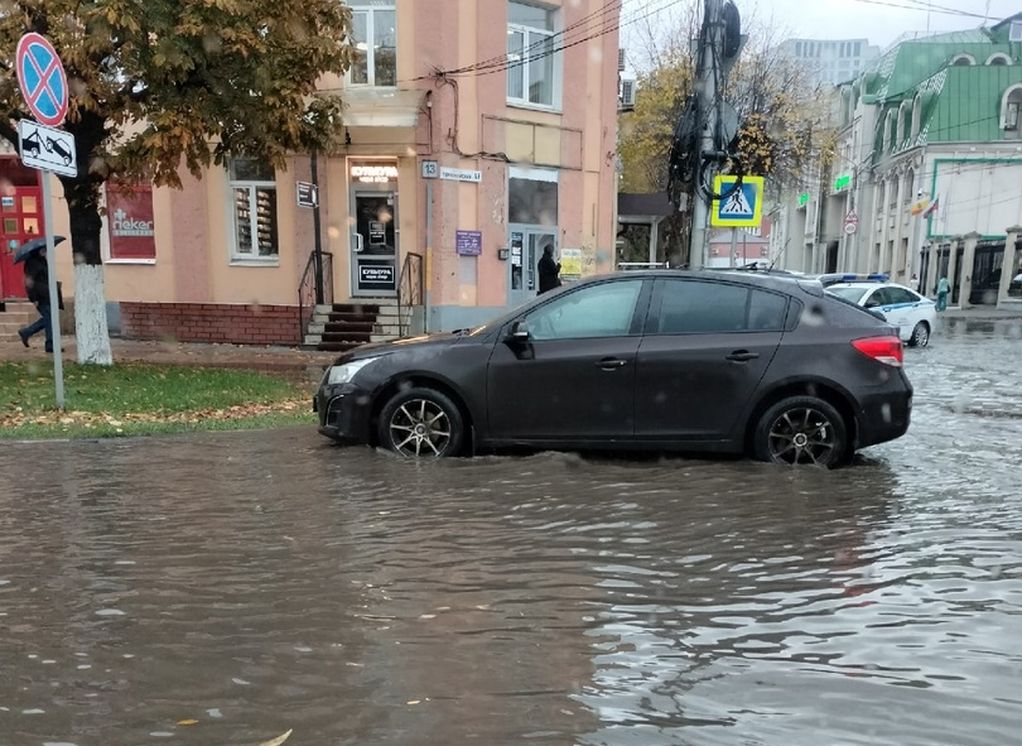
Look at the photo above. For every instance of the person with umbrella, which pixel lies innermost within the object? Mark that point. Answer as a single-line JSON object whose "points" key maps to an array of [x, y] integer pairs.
{"points": [[37, 287]]}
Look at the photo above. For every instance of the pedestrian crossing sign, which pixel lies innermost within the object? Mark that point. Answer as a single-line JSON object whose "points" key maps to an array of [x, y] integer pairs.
{"points": [[741, 207]]}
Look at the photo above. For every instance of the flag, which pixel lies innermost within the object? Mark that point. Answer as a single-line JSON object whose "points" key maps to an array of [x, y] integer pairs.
{"points": [[932, 209], [920, 206]]}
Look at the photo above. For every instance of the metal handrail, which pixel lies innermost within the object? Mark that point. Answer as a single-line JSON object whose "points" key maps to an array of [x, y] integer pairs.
{"points": [[307, 290], [410, 289]]}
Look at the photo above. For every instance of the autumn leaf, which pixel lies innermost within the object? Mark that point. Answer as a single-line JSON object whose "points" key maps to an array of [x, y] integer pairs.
{"points": [[278, 740]]}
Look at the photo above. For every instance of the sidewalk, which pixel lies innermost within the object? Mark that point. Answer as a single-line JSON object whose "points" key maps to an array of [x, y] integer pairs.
{"points": [[282, 360], [982, 313]]}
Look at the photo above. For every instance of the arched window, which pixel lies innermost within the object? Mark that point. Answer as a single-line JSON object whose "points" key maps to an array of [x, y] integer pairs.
{"points": [[908, 190], [1011, 110], [963, 60], [888, 130], [882, 201], [904, 124], [917, 116], [998, 58]]}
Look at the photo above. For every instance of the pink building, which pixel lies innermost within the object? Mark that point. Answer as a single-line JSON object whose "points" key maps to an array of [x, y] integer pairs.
{"points": [[447, 189]]}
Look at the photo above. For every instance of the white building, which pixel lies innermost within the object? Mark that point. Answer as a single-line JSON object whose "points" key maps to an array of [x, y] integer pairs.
{"points": [[831, 61]]}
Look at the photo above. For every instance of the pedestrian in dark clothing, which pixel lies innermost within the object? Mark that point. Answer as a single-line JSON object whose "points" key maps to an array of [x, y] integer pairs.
{"points": [[549, 270], [37, 286]]}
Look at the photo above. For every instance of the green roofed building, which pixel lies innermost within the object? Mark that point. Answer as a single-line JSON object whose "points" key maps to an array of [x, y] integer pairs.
{"points": [[927, 178]]}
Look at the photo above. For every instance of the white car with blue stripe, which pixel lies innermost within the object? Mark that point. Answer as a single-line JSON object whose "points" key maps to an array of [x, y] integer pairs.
{"points": [[914, 315]]}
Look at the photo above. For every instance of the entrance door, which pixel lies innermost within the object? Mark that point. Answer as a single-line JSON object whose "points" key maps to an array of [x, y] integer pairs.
{"points": [[527, 244], [986, 274], [374, 244], [21, 219]]}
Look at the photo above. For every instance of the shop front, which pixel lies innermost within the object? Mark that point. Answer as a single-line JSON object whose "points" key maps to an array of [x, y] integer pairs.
{"points": [[375, 228], [532, 228]]}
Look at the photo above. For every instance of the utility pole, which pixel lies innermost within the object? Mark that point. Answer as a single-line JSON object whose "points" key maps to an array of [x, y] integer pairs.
{"points": [[710, 50]]}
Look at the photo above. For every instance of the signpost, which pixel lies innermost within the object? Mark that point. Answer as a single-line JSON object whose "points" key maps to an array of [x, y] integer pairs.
{"points": [[308, 194], [44, 86], [851, 223], [741, 207], [460, 174]]}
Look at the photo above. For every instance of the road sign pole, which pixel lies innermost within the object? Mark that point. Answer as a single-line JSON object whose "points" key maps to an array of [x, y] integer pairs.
{"points": [[51, 271], [317, 230]]}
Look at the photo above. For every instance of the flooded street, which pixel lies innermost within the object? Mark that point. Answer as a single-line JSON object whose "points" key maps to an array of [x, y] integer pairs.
{"points": [[260, 582]]}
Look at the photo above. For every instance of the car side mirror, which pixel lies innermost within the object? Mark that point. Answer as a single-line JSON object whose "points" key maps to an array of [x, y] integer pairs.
{"points": [[519, 332], [872, 303]]}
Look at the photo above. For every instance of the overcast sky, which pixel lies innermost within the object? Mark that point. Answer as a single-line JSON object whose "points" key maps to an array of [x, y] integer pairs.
{"points": [[847, 19]]}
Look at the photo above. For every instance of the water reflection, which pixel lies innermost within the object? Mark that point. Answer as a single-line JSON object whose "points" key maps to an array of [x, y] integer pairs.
{"points": [[265, 581]]}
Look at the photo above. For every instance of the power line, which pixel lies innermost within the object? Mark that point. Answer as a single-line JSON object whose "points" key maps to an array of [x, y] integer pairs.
{"points": [[934, 8]]}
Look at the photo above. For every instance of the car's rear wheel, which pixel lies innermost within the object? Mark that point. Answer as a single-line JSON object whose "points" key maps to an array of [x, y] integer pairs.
{"points": [[920, 335], [421, 422], [801, 430]]}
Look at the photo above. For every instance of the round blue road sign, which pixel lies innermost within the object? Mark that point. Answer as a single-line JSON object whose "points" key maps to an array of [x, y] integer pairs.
{"points": [[42, 79]]}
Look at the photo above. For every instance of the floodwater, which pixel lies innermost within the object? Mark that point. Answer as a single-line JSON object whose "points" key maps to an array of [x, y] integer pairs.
{"points": [[260, 582]]}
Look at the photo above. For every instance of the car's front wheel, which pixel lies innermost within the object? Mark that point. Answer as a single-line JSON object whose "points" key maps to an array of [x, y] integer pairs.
{"points": [[421, 422], [920, 335], [801, 430]]}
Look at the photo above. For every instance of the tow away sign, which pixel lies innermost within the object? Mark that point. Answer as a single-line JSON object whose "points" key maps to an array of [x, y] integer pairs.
{"points": [[47, 148]]}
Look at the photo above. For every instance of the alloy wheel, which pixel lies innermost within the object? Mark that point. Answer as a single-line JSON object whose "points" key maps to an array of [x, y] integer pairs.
{"points": [[420, 427], [921, 335], [803, 435]]}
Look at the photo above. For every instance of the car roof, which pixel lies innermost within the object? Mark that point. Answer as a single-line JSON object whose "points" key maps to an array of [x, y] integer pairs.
{"points": [[774, 279], [866, 285]]}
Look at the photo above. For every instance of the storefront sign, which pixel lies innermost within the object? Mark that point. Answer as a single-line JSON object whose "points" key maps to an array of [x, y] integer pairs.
{"points": [[571, 262], [376, 275], [374, 173], [130, 220], [377, 233], [469, 243], [458, 174], [842, 182]]}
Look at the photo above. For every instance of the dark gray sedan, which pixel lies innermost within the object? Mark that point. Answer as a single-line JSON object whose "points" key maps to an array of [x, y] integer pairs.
{"points": [[729, 362]]}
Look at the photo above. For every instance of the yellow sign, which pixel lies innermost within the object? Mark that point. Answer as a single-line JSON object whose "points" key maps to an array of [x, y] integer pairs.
{"points": [[571, 262], [741, 207]]}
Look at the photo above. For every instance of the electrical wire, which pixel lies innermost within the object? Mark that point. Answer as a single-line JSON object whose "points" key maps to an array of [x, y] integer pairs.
{"points": [[935, 9]]}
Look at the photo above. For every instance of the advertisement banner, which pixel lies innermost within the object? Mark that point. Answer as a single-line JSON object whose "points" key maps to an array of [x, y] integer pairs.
{"points": [[130, 222]]}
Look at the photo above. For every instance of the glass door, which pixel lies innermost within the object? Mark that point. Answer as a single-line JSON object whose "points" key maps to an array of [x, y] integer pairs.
{"points": [[526, 245], [374, 244]]}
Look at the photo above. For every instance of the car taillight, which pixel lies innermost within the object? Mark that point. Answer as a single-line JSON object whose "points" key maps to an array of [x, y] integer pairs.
{"points": [[886, 350]]}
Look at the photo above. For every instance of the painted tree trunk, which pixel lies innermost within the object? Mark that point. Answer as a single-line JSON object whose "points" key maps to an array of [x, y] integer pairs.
{"points": [[91, 330]]}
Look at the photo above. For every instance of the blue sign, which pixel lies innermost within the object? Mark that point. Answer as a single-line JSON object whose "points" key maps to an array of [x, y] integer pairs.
{"points": [[42, 79], [469, 243], [741, 207]]}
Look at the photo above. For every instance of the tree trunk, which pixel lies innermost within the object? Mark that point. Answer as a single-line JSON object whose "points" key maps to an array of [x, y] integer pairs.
{"points": [[91, 331]]}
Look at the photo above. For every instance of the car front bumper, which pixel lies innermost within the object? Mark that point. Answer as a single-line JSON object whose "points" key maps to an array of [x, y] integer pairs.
{"points": [[344, 413]]}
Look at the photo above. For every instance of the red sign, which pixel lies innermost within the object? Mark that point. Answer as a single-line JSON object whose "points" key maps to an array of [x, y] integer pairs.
{"points": [[42, 79], [130, 222]]}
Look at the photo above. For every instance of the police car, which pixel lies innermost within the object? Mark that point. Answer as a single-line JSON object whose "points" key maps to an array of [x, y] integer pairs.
{"points": [[914, 315]]}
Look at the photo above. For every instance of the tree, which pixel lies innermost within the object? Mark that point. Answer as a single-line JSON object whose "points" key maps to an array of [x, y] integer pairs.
{"points": [[164, 83], [784, 115]]}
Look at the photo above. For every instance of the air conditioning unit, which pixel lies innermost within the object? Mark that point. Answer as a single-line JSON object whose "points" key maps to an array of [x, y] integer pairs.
{"points": [[620, 60], [626, 96]]}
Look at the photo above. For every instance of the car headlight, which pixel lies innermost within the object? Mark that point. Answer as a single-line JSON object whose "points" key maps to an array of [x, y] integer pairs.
{"points": [[339, 374]]}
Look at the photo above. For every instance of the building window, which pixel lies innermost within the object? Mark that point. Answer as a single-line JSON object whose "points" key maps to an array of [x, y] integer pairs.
{"points": [[998, 58], [530, 54], [374, 33], [1015, 31], [254, 200], [1011, 105], [963, 60]]}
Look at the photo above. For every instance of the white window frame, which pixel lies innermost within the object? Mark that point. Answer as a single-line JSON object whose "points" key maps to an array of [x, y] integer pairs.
{"points": [[962, 56], [250, 259], [527, 42], [1005, 101], [371, 10], [1001, 56]]}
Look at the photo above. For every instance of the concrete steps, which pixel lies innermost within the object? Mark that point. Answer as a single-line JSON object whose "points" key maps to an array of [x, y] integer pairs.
{"points": [[14, 316], [343, 326]]}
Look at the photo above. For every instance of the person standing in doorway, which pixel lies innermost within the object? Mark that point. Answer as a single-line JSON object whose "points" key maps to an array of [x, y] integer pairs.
{"points": [[549, 270], [943, 288], [37, 287]]}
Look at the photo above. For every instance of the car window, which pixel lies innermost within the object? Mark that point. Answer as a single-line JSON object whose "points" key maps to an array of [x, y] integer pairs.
{"points": [[878, 298], [604, 310], [852, 295], [692, 307], [899, 295], [697, 307], [766, 311]]}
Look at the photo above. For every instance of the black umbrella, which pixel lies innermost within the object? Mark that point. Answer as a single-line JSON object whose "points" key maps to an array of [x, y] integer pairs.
{"points": [[34, 245]]}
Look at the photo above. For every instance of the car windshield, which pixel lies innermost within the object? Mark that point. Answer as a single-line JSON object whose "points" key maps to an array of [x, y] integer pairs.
{"points": [[853, 295]]}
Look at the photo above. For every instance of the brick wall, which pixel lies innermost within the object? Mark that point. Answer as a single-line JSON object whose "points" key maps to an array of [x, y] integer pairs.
{"points": [[211, 322]]}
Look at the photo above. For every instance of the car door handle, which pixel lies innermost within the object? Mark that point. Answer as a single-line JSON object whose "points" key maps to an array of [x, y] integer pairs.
{"points": [[611, 363], [742, 356]]}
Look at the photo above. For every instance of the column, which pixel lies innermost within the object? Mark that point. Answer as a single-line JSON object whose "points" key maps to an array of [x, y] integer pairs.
{"points": [[952, 264], [1008, 265], [931, 269], [968, 260]]}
